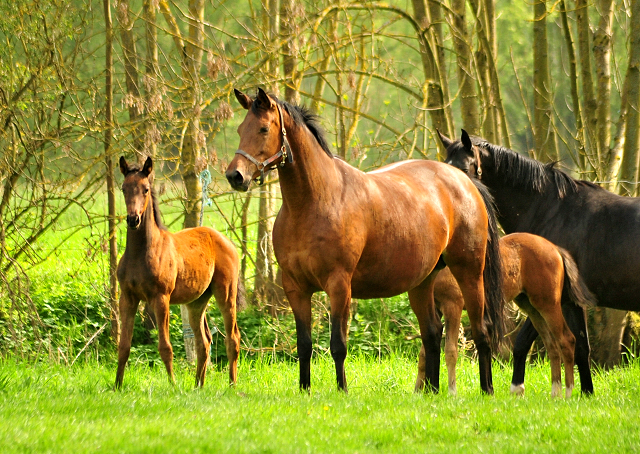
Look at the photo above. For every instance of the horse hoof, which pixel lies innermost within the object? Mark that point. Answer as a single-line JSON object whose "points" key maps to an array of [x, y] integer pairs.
{"points": [[568, 392], [556, 389], [518, 390], [452, 390]]}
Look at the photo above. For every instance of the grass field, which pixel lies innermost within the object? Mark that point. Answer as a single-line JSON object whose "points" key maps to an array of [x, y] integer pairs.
{"points": [[45, 408]]}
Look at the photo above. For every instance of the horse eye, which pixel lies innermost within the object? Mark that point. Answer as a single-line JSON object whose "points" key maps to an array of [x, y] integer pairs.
{"points": [[264, 130], [146, 190]]}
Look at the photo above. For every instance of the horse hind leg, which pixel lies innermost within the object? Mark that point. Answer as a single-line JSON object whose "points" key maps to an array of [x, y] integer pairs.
{"points": [[452, 315], [472, 286], [339, 292], [225, 291], [201, 334], [423, 305]]}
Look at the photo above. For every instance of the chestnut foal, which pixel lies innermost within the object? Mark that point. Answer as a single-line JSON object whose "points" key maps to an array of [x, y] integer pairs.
{"points": [[537, 275], [164, 268]]}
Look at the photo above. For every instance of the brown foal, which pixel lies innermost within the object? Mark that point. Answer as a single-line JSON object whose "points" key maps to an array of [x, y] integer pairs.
{"points": [[366, 235], [164, 268], [536, 273]]}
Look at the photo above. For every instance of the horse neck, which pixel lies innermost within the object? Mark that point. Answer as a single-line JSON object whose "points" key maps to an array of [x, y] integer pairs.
{"points": [[144, 237], [516, 205], [312, 176]]}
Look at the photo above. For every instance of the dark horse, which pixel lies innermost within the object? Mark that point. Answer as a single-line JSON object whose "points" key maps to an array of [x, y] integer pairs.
{"points": [[369, 235], [163, 268], [601, 230], [536, 274]]}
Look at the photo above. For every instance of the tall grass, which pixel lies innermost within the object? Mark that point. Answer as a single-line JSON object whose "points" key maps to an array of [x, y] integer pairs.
{"points": [[48, 408]]}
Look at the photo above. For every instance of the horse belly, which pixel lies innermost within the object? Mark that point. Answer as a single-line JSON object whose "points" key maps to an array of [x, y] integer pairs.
{"points": [[393, 273]]}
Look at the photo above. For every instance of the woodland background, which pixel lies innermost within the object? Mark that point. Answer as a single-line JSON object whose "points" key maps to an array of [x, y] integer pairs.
{"points": [[83, 82]]}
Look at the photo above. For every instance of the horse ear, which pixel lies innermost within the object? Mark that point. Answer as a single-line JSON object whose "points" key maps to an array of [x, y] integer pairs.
{"points": [[466, 140], [243, 99], [447, 142], [124, 167], [265, 101], [148, 166]]}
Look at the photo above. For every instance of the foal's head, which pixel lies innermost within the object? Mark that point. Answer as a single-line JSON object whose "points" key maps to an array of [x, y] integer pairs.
{"points": [[137, 190], [261, 138], [463, 154]]}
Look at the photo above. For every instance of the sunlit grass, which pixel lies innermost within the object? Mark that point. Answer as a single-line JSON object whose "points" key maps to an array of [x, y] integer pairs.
{"points": [[45, 408]]}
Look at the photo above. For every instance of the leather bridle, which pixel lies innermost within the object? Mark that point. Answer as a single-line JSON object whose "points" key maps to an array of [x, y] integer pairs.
{"points": [[284, 153]]}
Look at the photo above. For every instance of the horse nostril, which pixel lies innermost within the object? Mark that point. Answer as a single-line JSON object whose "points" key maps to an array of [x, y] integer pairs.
{"points": [[235, 178], [133, 221]]}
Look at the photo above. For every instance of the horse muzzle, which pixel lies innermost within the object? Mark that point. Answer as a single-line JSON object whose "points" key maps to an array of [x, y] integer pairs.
{"points": [[237, 180], [133, 221]]}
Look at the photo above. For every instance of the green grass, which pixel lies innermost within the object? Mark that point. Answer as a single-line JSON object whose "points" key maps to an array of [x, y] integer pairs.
{"points": [[46, 408]]}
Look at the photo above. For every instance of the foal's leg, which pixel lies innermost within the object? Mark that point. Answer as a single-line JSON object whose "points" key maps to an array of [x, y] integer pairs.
{"points": [[524, 340], [226, 294], [128, 307], [161, 308], [339, 292], [452, 311], [576, 318], [567, 341], [300, 302], [201, 335], [423, 305]]}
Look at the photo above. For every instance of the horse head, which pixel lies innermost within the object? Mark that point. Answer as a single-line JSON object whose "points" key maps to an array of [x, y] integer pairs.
{"points": [[136, 189], [463, 154], [263, 141]]}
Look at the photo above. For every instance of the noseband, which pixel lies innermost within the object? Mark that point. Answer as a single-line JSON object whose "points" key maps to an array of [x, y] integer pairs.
{"points": [[285, 153]]}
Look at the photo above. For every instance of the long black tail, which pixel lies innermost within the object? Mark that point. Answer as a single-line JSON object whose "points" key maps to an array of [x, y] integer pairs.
{"points": [[494, 315], [574, 288]]}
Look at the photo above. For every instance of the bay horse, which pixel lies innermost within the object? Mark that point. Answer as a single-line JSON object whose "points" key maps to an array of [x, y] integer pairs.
{"points": [[598, 228], [163, 268], [536, 274], [369, 235]]}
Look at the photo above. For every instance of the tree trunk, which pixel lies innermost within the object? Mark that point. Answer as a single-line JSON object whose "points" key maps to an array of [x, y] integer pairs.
{"points": [[132, 99], [606, 329], [589, 104], [435, 15], [462, 45], [152, 71], [111, 192], [575, 96], [543, 132], [602, 58], [629, 167], [434, 92]]}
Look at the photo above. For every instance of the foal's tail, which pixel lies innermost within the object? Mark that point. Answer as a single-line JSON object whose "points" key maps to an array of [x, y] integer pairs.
{"points": [[494, 315], [574, 287]]}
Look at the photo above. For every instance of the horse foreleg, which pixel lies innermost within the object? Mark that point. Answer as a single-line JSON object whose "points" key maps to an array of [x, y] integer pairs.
{"points": [[524, 340], [576, 319], [422, 303], [201, 335], [161, 308], [128, 307], [300, 303]]}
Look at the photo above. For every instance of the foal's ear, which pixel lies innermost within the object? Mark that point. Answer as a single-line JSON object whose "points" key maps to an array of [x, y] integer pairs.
{"points": [[265, 101], [444, 139], [243, 99], [147, 168], [124, 167], [466, 140]]}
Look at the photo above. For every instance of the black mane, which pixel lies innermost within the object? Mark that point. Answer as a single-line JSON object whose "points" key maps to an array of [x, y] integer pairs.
{"points": [[301, 116], [528, 173]]}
